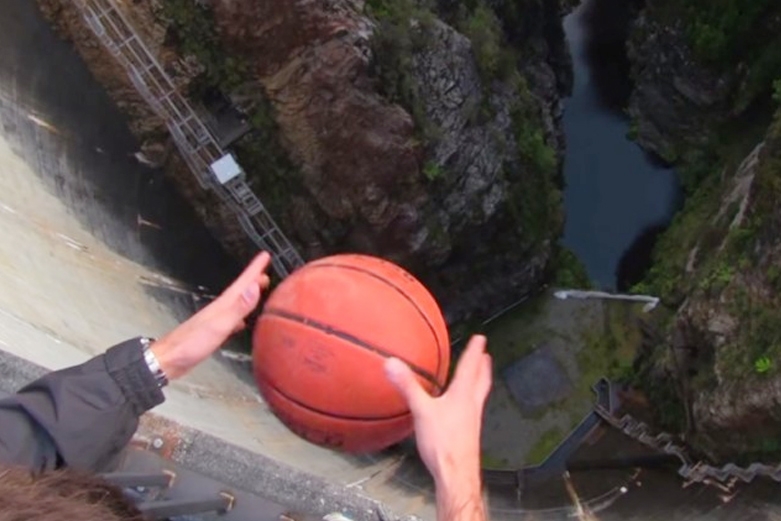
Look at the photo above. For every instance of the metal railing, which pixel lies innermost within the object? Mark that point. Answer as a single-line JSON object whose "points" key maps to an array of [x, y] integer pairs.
{"points": [[695, 471], [195, 142]]}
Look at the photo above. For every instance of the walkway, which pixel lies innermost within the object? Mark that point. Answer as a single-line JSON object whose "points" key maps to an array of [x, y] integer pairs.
{"points": [[693, 471], [651, 302]]}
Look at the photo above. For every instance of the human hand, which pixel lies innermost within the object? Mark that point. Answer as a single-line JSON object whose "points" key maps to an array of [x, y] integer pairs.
{"points": [[196, 339], [447, 428]]}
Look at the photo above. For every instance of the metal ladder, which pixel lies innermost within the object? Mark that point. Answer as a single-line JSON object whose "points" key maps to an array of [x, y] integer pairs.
{"points": [[195, 143]]}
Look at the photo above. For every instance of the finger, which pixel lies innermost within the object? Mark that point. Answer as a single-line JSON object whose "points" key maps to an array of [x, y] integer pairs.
{"points": [[250, 298], [252, 273], [238, 327], [484, 379], [468, 366], [402, 377], [265, 282]]}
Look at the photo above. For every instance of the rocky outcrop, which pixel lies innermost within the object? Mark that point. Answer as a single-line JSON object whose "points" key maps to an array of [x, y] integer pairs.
{"points": [[362, 179], [677, 102], [705, 71], [736, 320], [725, 335], [443, 209]]}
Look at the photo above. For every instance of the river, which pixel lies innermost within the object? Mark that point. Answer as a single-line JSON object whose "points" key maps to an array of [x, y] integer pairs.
{"points": [[616, 195]]}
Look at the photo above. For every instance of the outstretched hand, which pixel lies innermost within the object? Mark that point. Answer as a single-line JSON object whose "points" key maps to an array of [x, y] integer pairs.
{"points": [[447, 429], [195, 340]]}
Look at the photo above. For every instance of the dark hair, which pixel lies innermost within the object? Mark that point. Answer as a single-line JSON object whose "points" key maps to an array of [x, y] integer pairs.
{"points": [[61, 495]]}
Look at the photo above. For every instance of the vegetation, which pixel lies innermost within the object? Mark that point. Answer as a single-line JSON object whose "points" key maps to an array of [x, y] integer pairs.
{"points": [[705, 257], [726, 33], [495, 59], [488, 461], [518, 333], [610, 349], [535, 197], [545, 444], [695, 234], [192, 32], [401, 31], [191, 27], [432, 171], [403, 26], [568, 271], [777, 91]]}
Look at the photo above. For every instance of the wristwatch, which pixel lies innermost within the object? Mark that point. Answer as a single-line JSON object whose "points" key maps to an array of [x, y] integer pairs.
{"points": [[152, 363]]}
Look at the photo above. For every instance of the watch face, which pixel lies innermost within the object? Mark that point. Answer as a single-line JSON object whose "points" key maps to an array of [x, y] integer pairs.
{"points": [[153, 364]]}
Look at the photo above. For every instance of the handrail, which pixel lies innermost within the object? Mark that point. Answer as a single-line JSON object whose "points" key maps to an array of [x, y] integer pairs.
{"points": [[196, 144]]}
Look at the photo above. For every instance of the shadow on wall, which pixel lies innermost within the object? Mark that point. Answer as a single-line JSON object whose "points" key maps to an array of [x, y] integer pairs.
{"points": [[638, 258], [131, 207]]}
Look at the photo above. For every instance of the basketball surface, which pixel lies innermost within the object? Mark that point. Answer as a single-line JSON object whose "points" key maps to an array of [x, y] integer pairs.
{"points": [[321, 342]]}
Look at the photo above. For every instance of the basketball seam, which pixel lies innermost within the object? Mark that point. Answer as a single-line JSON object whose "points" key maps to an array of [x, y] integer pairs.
{"points": [[336, 415], [325, 328], [399, 290]]}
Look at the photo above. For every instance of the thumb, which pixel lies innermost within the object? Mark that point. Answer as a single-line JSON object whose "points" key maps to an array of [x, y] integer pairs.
{"points": [[401, 376], [249, 299]]}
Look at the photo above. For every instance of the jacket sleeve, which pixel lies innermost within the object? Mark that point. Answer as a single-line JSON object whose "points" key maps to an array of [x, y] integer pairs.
{"points": [[82, 416]]}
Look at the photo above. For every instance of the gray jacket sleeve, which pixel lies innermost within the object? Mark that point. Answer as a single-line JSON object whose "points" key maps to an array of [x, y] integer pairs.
{"points": [[82, 416]]}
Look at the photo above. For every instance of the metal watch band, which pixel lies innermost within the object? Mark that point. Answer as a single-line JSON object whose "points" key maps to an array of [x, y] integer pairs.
{"points": [[152, 362]]}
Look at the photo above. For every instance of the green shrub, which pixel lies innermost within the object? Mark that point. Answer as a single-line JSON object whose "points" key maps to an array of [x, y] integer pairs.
{"points": [[569, 272], [401, 31], [432, 171], [529, 135], [763, 365], [535, 200], [192, 26], [260, 153], [494, 59], [725, 34]]}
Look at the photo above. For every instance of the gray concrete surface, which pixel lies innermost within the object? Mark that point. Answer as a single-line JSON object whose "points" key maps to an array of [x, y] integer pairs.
{"points": [[537, 381]]}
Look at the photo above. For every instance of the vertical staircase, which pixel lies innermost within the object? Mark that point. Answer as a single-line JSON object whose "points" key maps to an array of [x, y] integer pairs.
{"points": [[197, 145]]}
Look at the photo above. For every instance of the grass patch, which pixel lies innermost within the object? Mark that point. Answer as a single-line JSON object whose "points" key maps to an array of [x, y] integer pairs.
{"points": [[488, 461], [542, 448], [610, 348], [517, 333]]}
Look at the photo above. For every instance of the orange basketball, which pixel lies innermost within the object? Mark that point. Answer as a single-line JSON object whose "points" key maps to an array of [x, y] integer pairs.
{"points": [[321, 341]]}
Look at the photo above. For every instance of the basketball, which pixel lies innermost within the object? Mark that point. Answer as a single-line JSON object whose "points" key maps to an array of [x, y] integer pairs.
{"points": [[321, 341]]}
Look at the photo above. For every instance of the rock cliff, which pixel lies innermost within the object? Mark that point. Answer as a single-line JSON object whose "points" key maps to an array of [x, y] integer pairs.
{"points": [[705, 76], [723, 341], [455, 178], [698, 65], [676, 100]]}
